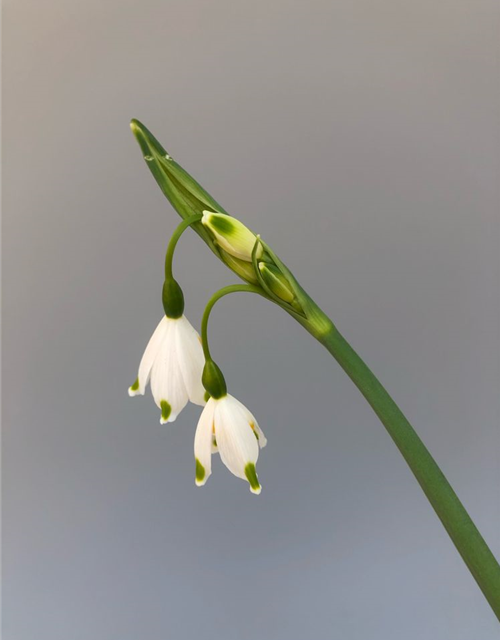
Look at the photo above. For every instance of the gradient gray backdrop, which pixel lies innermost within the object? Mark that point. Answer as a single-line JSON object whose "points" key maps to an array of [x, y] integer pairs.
{"points": [[361, 140]]}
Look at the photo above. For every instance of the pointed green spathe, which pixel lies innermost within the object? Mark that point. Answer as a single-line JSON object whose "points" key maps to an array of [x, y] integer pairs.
{"points": [[184, 193]]}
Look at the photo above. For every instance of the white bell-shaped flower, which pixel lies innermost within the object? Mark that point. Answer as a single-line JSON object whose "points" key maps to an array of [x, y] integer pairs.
{"points": [[173, 362], [227, 426]]}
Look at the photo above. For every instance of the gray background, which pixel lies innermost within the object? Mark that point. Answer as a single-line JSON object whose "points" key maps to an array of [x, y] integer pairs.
{"points": [[361, 140]]}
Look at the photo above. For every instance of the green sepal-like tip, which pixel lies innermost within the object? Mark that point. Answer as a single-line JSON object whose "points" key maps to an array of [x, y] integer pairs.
{"points": [[199, 473], [251, 475], [166, 410]]}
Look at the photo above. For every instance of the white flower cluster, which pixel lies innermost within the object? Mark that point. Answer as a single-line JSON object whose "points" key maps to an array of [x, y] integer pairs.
{"points": [[173, 364]]}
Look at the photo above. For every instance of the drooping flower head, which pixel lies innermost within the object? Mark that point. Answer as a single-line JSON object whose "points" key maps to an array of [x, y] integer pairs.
{"points": [[173, 363], [228, 427]]}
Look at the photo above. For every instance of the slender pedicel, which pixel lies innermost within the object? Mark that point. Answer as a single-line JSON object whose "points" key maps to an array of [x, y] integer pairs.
{"points": [[226, 426]]}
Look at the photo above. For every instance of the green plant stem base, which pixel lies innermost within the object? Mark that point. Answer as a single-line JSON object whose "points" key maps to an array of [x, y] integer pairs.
{"points": [[457, 522]]}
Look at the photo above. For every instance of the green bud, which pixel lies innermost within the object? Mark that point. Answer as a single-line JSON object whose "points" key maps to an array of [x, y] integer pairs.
{"points": [[276, 281], [241, 267], [213, 380], [231, 235], [173, 299]]}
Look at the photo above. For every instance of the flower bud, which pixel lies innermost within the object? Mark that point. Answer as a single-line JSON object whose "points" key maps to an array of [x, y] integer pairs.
{"points": [[231, 235], [241, 267], [276, 281]]}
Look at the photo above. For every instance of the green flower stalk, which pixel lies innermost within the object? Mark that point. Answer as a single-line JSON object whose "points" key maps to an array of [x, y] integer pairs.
{"points": [[251, 259]]}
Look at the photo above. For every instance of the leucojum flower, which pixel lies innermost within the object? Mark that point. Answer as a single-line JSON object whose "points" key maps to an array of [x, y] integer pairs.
{"points": [[173, 364], [179, 368]]}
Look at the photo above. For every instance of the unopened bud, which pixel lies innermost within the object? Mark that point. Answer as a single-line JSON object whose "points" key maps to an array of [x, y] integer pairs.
{"points": [[276, 281], [231, 235], [241, 267]]}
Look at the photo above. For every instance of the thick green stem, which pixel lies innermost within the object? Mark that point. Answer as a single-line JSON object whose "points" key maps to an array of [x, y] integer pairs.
{"points": [[457, 522]]}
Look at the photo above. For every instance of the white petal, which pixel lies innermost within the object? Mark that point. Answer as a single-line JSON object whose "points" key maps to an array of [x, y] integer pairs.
{"points": [[215, 448], [167, 384], [236, 440], [203, 443], [261, 437], [259, 434], [191, 360], [149, 357]]}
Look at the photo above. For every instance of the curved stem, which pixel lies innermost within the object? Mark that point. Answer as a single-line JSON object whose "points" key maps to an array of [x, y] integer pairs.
{"points": [[457, 522], [232, 288], [169, 256]]}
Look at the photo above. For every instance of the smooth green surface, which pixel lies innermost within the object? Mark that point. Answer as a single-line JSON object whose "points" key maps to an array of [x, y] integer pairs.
{"points": [[457, 522], [213, 380], [173, 299]]}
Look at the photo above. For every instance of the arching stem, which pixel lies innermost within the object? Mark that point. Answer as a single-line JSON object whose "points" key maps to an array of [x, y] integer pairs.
{"points": [[232, 288], [169, 256]]}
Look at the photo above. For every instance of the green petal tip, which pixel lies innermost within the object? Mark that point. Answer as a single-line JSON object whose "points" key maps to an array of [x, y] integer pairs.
{"points": [[251, 475]]}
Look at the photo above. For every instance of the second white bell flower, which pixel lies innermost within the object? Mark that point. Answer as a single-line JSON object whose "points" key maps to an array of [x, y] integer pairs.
{"points": [[228, 427], [173, 362]]}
